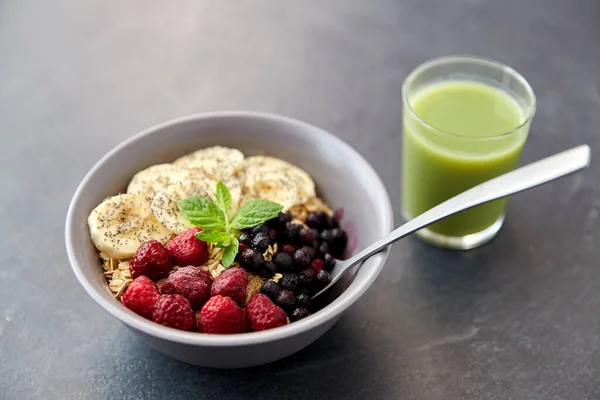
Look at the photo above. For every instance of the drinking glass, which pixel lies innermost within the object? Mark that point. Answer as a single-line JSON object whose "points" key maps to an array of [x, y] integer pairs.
{"points": [[465, 120]]}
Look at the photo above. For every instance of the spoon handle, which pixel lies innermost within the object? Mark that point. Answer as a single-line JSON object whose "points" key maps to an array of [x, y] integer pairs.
{"points": [[512, 182]]}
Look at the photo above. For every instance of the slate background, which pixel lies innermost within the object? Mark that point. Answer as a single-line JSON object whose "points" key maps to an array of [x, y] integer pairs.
{"points": [[516, 319]]}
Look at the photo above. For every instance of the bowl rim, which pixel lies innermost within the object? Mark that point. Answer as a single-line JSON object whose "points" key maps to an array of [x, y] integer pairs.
{"points": [[335, 308]]}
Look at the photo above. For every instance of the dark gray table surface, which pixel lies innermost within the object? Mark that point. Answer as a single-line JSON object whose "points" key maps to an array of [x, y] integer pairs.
{"points": [[516, 319]]}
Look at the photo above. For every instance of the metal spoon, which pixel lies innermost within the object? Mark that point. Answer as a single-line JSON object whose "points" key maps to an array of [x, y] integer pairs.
{"points": [[523, 178]]}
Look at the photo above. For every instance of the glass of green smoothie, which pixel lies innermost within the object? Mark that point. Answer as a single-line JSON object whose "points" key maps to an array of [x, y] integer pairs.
{"points": [[465, 120]]}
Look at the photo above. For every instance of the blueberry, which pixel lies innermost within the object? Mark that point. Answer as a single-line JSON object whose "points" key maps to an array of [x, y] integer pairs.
{"points": [[317, 220], [290, 282], [272, 235], [322, 279], [267, 270], [260, 242], [327, 235], [283, 262], [284, 218], [338, 233], [311, 251], [288, 248], [251, 259], [286, 299], [302, 257], [308, 235], [332, 223], [306, 276], [262, 228], [303, 300], [298, 314], [338, 242], [291, 231], [329, 262], [279, 221], [242, 247], [324, 248], [271, 289], [245, 238]]}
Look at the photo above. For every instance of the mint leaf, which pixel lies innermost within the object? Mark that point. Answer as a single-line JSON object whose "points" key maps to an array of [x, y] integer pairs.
{"points": [[222, 239], [202, 212], [223, 198], [255, 212], [230, 252]]}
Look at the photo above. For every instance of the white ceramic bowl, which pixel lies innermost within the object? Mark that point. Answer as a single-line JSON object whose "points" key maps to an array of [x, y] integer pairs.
{"points": [[344, 179]]}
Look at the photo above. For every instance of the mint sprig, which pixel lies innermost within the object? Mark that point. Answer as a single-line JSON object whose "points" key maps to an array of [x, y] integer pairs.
{"points": [[223, 198], [202, 212], [217, 227], [255, 212]]}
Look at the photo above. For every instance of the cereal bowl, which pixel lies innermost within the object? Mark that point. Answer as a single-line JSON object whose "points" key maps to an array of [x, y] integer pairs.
{"points": [[343, 178]]}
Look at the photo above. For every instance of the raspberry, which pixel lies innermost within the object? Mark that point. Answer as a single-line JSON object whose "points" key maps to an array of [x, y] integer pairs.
{"points": [[201, 273], [263, 314], [188, 284], [187, 250], [174, 311], [141, 296], [152, 260], [231, 283], [222, 315], [316, 265]]}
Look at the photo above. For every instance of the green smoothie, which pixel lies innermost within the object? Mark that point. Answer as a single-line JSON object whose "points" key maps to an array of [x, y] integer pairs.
{"points": [[458, 136]]}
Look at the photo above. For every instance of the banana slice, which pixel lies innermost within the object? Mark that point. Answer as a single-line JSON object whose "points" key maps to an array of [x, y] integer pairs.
{"points": [[156, 178], [284, 194], [218, 160], [120, 224], [252, 168], [164, 203], [211, 169], [263, 176]]}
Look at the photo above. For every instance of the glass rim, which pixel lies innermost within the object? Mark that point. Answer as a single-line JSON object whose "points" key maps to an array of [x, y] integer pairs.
{"points": [[530, 111]]}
